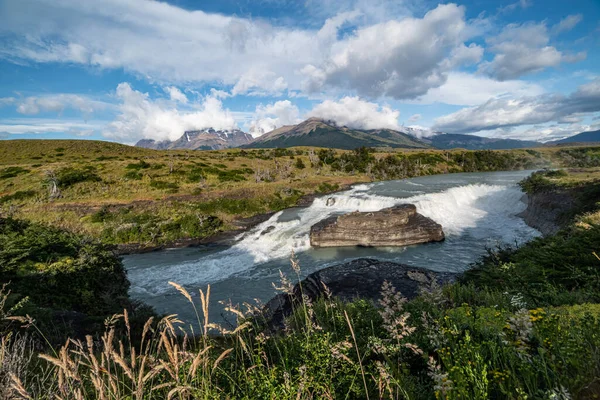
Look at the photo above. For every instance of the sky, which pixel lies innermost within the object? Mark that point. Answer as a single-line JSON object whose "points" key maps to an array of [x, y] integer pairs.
{"points": [[123, 70]]}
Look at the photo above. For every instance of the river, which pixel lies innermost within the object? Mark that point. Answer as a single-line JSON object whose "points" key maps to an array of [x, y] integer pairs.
{"points": [[476, 211]]}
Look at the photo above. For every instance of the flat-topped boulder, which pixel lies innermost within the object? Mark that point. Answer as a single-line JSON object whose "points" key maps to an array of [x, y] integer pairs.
{"points": [[395, 226]]}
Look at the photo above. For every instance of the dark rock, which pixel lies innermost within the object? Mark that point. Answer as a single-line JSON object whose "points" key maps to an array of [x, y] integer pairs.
{"points": [[396, 226], [360, 278], [546, 210], [268, 230], [330, 202]]}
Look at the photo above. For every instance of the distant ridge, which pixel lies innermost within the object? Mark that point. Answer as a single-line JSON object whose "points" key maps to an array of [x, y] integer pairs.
{"points": [[320, 133], [583, 137], [206, 139], [448, 141]]}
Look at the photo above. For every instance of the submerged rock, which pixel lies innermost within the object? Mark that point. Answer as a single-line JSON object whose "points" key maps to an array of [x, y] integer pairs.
{"points": [[360, 278], [396, 226], [268, 229]]}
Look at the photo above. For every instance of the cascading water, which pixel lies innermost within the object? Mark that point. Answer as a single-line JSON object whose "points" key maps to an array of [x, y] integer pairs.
{"points": [[474, 210]]}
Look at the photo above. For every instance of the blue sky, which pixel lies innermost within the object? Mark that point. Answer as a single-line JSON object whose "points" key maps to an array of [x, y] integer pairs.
{"points": [[123, 70]]}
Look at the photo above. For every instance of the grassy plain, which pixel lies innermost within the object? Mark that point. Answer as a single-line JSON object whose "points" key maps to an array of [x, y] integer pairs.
{"points": [[129, 195]]}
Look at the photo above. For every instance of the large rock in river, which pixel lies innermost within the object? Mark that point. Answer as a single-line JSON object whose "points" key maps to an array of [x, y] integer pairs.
{"points": [[361, 278], [396, 226]]}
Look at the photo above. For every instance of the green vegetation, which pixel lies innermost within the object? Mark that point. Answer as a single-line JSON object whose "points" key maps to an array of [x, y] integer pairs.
{"points": [[68, 177], [66, 191], [12, 172], [523, 323]]}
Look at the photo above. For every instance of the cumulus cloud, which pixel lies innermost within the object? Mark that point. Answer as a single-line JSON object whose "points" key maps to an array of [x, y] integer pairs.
{"points": [[390, 58], [273, 116], [523, 49], [260, 82], [169, 44], [356, 113], [176, 95], [142, 117], [154, 39], [502, 113]]}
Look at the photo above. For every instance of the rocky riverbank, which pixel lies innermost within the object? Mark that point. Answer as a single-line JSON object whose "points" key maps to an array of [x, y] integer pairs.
{"points": [[546, 210]]}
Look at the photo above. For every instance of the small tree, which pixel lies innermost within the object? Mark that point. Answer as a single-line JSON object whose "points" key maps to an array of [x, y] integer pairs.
{"points": [[52, 182], [300, 163]]}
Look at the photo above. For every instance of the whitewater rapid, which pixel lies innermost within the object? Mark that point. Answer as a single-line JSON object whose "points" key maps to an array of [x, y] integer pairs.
{"points": [[474, 214]]}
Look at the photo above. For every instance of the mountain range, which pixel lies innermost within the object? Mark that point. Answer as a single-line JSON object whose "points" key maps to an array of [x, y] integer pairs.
{"points": [[206, 139], [318, 132], [583, 137]]}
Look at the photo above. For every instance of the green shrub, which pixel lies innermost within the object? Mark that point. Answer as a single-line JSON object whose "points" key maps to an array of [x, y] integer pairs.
{"points": [[139, 165], [18, 196], [170, 187], [11, 172], [60, 270], [135, 175], [69, 176]]}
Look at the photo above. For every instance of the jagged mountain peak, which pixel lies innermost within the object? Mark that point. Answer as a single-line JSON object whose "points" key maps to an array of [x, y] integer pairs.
{"points": [[201, 139]]}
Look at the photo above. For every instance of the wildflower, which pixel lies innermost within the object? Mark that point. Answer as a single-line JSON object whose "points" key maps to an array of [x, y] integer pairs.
{"points": [[518, 301], [443, 384], [339, 351], [432, 329], [395, 320], [559, 393], [285, 284], [432, 293], [522, 326]]}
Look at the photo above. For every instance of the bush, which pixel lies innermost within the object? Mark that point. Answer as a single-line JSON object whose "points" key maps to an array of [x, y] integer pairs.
{"points": [[170, 187], [139, 165], [59, 270], [134, 175], [69, 176], [11, 172], [18, 196]]}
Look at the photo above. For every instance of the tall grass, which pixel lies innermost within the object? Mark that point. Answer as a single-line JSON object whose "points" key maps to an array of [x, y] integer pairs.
{"points": [[429, 347]]}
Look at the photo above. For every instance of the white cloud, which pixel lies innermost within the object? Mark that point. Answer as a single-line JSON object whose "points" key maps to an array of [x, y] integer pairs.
{"points": [[567, 23], [176, 95], [57, 103], [401, 57], [156, 40], [469, 89], [513, 6], [356, 113], [398, 58], [273, 116], [503, 113], [523, 49], [20, 126], [260, 82], [414, 118], [141, 117]]}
